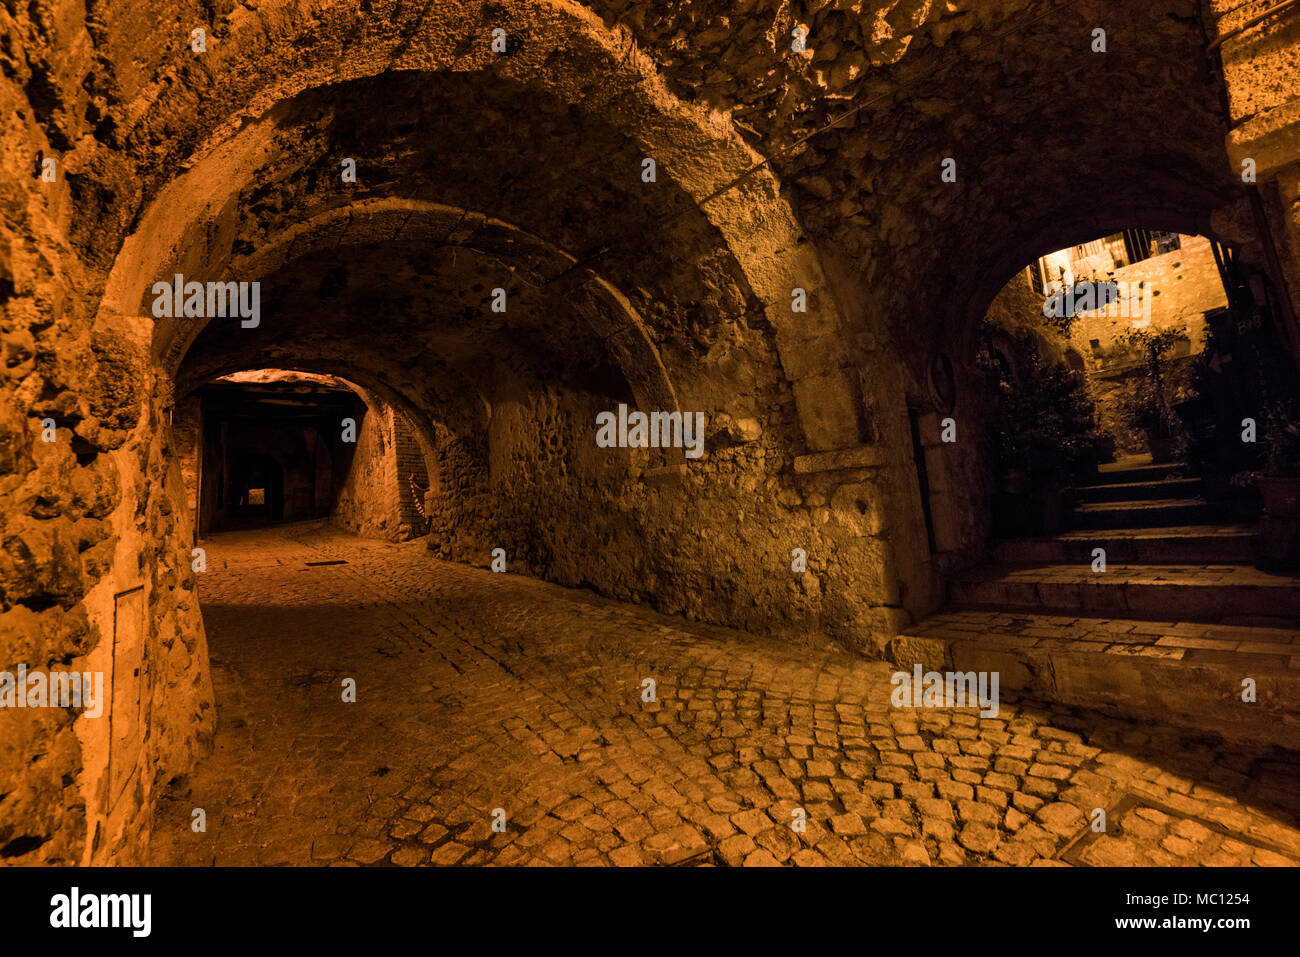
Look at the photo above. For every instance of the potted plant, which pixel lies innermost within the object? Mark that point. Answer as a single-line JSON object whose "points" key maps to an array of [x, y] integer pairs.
{"points": [[1043, 439], [1231, 380], [1279, 482], [1147, 410]]}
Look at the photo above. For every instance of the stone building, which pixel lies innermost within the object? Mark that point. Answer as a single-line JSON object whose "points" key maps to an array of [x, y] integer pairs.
{"points": [[491, 221], [1184, 279]]}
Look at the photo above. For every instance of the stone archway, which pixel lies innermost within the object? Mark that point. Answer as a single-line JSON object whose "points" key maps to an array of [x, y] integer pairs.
{"points": [[189, 211], [398, 220], [565, 48]]}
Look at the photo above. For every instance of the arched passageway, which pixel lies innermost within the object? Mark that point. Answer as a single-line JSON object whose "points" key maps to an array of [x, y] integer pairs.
{"points": [[267, 446], [489, 263], [257, 490]]}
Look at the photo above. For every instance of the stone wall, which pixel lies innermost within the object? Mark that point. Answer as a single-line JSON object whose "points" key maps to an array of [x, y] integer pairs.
{"points": [[187, 434], [710, 539], [370, 500], [95, 556], [524, 173], [1262, 80], [1186, 284]]}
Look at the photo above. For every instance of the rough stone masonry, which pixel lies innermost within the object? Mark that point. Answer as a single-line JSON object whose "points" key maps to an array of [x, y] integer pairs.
{"points": [[153, 139]]}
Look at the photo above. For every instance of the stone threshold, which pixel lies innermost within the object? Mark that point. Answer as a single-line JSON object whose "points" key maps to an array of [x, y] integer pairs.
{"points": [[1184, 673], [1150, 591], [1188, 544]]}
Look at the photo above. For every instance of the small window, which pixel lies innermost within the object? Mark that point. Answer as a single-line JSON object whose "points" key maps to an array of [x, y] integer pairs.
{"points": [[257, 496]]}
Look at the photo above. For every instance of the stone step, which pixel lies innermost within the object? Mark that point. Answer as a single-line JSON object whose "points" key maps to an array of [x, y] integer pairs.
{"points": [[1148, 513], [1174, 592], [1167, 489], [1176, 671], [1178, 545], [1137, 470]]}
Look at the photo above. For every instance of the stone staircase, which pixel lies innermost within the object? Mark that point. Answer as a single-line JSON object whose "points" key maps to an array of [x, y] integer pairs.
{"points": [[1167, 632], [1136, 494]]}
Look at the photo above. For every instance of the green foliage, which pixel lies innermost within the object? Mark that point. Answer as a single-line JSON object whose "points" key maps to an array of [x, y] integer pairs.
{"points": [[1044, 422], [1061, 320], [1245, 372], [1280, 436], [1153, 346], [1223, 389], [1147, 401], [1145, 407]]}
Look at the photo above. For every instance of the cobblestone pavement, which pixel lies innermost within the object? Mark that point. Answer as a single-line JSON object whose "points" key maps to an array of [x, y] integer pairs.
{"points": [[478, 691]]}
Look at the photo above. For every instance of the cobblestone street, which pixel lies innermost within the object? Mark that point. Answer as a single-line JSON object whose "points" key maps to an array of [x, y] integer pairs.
{"points": [[478, 691]]}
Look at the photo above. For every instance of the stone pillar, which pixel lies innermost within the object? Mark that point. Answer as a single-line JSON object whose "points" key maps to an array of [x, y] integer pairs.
{"points": [[1261, 69]]}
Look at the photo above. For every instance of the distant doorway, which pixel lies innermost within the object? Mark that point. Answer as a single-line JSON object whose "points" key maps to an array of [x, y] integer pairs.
{"points": [[257, 490]]}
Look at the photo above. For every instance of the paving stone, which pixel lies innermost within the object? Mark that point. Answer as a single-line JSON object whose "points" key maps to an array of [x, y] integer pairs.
{"points": [[1026, 802], [590, 778], [1051, 771], [885, 825], [1061, 819], [934, 808], [808, 858], [1017, 855], [780, 842], [735, 849], [938, 829], [991, 796], [1040, 787], [1107, 851], [1192, 831], [674, 846], [848, 824], [369, 851], [449, 853], [914, 854], [979, 838], [753, 821], [951, 855], [330, 847], [633, 829], [955, 791], [1266, 858], [1003, 782], [410, 856]]}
